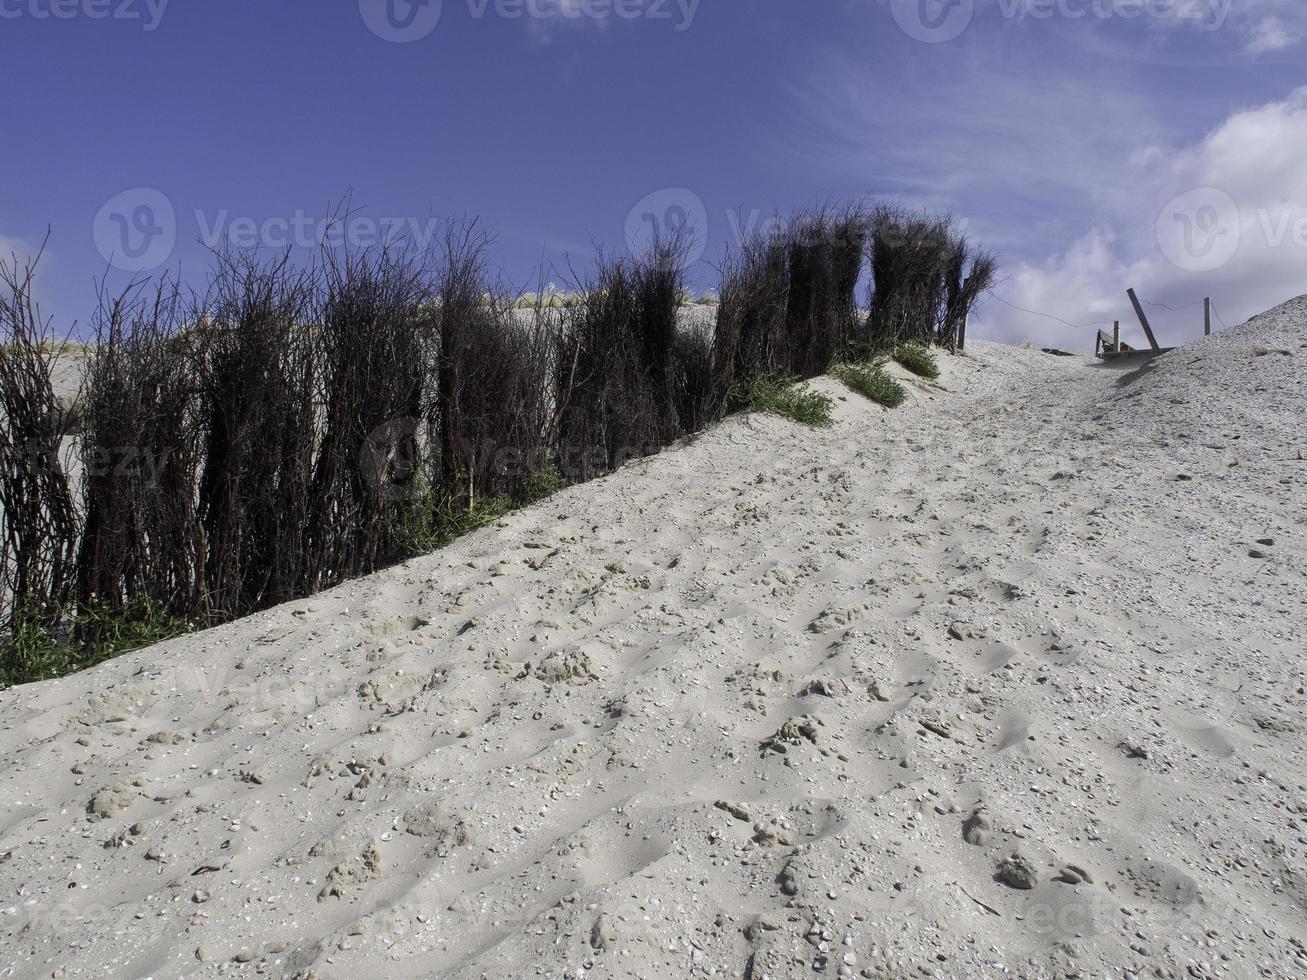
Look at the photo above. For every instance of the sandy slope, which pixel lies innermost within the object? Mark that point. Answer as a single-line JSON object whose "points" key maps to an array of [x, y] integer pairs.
{"points": [[774, 702]]}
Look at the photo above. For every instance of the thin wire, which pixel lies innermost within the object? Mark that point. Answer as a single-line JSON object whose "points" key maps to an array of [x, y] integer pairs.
{"points": [[1099, 323], [1049, 316], [1173, 309]]}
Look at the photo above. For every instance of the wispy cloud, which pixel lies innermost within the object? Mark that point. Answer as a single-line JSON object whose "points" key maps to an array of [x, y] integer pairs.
{"points": [[1272, 34], [1224, 217], [24, 253], [1032, 163], [1087, 182], [14, 247], [1162, 31], [1270, 25], [550, 20]]}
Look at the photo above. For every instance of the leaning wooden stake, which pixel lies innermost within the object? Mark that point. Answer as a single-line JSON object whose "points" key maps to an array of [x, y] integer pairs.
{"points": [[1207, 317], [1143, 319], [1116, 336]]}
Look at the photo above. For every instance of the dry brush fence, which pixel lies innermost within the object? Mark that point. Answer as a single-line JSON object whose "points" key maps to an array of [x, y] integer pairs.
{"points": [[285, 428]]}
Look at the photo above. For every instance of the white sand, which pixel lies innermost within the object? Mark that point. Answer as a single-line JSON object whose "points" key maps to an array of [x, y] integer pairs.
{"points": [[775, 701]]}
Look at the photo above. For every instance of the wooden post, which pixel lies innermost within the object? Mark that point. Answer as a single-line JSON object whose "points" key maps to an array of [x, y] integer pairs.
{"points": [[1143, 319], [962, 334], [1116, 336], [1207, 317]]}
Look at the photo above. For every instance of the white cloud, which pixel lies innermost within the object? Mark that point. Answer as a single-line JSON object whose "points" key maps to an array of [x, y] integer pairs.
{"points": [[1262, 26], [1071, 282], [1030, 173], [1225, 217], [1090, 180], [10, 247], [24, 253], [1255, 26], [1271, 34], [547, 19]]}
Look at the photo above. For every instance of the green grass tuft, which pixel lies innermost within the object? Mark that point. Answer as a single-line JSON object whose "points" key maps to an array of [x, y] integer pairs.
{"points": [[545, 482], [92, 636], [779, 395], [455, 518], [872, 382], [918, 360]]}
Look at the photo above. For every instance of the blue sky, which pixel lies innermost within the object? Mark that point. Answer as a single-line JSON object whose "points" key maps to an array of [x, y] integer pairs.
{"points": [[1095, 144]]}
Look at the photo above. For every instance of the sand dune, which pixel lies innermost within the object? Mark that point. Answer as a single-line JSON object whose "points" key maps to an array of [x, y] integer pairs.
{"points": [[1007, 683]]}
